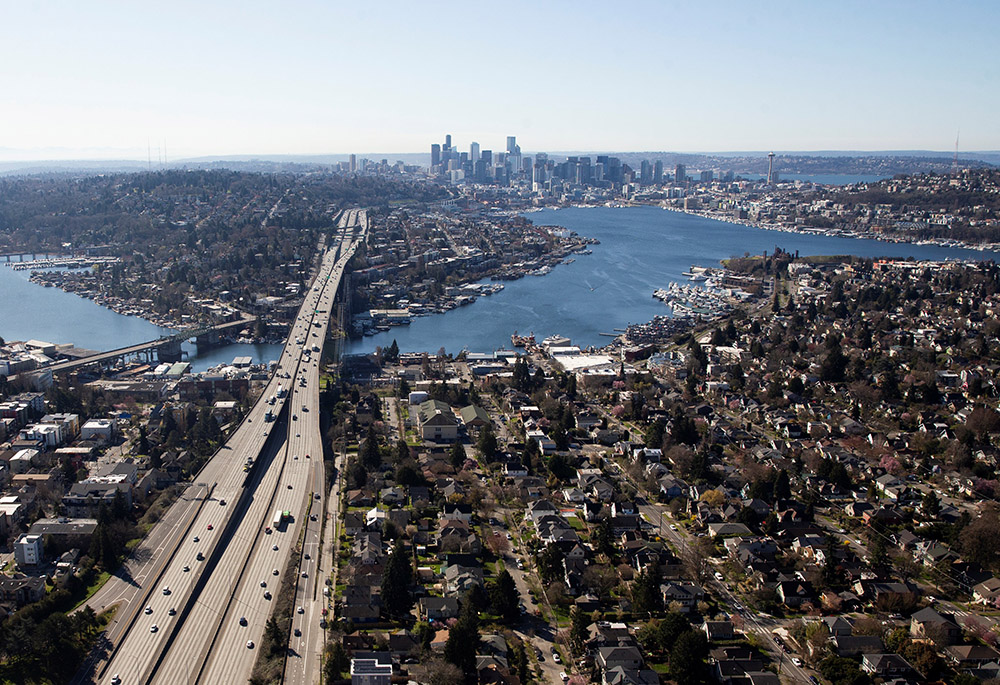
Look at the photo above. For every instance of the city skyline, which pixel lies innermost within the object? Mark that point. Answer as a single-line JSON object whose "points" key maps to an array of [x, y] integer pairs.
{"points": [[315, 78]]}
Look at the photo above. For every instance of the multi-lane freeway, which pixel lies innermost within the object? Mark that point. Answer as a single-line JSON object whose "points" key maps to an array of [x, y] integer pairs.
{"points": [[199, 611]]}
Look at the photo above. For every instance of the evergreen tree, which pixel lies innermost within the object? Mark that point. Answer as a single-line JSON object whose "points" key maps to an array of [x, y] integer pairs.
{"points": [[487, 443], [646, 595], [143, 440], [782, 486], [463, 642], [504, 598], [456, 456], [396, 580], [578, 633], [371, 456], [687, 658]]}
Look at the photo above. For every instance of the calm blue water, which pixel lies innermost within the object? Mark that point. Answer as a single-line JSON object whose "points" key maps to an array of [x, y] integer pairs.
{"points": [[30, 311], [642, 249]]}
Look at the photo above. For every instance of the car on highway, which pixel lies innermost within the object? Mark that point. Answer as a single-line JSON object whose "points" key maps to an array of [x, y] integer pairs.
{"points": [[673, 526], [297, 632], [200, 557], [267, 594], [249, 644], [263, 583], [222, 502], [195, 539], [153, 628], [116, 679], [719, 576], [148, 610], [300, 610], [267, 530], [274, 572], [307, 555], [210, 526], [166, 590], [305, 575], [171, 611], [274, 547], [797, 661], [243, 620]]}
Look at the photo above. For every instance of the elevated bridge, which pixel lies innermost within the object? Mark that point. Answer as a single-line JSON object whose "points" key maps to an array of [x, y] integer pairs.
{"points": [[167, 348]]}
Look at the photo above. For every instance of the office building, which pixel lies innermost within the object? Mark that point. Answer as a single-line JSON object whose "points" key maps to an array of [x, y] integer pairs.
{"points": [[658, 172], [435, 155], [474, 152], [680, 173]]}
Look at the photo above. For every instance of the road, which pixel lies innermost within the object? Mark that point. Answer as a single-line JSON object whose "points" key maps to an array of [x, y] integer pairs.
{"points": [[205, 641], [658, 516]]}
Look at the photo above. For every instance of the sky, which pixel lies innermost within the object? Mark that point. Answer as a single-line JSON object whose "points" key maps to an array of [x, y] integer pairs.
{"points": [[178, 79]]}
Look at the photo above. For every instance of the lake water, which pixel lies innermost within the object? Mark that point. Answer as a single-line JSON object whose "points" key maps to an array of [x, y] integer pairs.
{"points": [[31, 311], [642, 249]]}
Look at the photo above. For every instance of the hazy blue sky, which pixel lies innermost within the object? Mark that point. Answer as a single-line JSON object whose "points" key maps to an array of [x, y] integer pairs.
{"points": [[99, 79]]}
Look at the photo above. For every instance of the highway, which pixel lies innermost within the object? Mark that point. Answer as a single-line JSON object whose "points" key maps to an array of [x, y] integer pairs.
{"points": [[206, 640]]}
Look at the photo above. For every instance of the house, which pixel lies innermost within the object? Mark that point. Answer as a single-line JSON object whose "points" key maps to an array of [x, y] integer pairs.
{"points": [[619, 675], [719, 630], [838, 626], [971, 656], [371, 668], [437, 421], [987, 591], [438, 608], [729, 530], [541, 508], [931, 625], [20, 590], [686, 595], [625, 657], [885, 665], [475, 416], [855, 645]]}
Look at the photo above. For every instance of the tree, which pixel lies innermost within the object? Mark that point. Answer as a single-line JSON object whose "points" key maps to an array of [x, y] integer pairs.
{"points": [[143, 445], [687, 658], [396, 580], [550, 563], [371, 456], [980, 540], [930, 505], [335, 660], [487, 443], [843, 671], [578, 630], [441, 672], [402, 451], [782, 486], [463, 642], [646, 596], [456, 456], [504, 598]]}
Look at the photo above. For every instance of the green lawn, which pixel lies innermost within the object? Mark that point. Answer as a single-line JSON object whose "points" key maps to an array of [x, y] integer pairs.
{"points": [[98, 583]]}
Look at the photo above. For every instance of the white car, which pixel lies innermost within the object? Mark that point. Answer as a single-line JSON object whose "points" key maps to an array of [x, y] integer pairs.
{"points": [[148, 610], [249, 644]]}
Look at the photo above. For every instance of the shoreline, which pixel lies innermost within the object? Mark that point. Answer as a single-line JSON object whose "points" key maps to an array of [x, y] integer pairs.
{"points": [[780, 228]]}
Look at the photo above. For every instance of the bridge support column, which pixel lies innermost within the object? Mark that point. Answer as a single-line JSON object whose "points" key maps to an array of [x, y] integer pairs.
{"points": [[169, 351], [210, 339]]}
